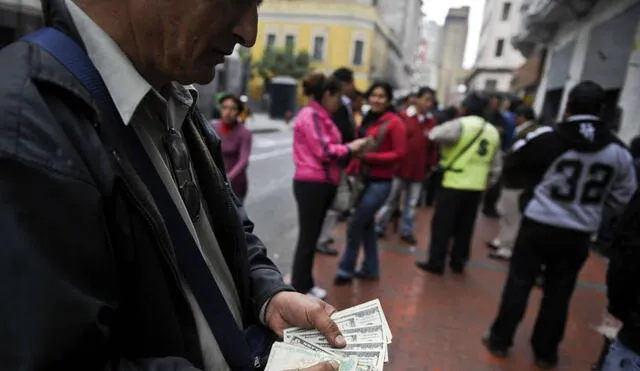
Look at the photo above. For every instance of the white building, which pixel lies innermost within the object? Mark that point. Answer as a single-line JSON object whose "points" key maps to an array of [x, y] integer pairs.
{"points": [[595, 40], [427, 63], [497, 58], [404, 18]]}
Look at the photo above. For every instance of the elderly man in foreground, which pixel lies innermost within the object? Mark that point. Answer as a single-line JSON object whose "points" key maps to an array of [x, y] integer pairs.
{"points": [[122, 245]]}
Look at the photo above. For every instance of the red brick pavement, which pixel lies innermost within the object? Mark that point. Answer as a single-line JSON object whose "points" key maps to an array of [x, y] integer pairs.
{"points": [[437, 322]]}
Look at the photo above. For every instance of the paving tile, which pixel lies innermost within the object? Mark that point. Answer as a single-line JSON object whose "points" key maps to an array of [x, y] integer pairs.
{"points": [[437, 322]]}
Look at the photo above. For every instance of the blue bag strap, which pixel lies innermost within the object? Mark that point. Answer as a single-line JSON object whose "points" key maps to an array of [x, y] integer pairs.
{"points": [[229, 336]]}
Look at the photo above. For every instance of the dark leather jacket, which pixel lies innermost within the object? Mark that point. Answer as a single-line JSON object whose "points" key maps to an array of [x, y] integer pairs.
{"points": [[88, 278]]}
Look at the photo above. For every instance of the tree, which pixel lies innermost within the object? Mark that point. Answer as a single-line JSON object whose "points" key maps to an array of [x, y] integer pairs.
{"points": [[282, 62]]}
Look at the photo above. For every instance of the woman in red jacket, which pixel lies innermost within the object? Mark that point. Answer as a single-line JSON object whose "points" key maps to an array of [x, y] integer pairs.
{"points": [[421, 156], [378, 168]]}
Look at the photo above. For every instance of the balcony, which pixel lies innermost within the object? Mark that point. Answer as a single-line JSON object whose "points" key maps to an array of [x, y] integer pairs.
{"points": [[541, 19]]}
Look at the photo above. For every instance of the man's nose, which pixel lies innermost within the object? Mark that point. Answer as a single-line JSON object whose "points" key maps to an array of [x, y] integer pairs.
{"points": [[247, 28]]}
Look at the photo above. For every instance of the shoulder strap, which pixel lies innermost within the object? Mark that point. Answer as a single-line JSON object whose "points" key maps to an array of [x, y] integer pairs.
{"points": [[380, 135], [192, 266], [466, 147]]}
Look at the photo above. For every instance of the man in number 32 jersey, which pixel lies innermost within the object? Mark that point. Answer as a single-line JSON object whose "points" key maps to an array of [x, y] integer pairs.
{"points": [[573, 172]]}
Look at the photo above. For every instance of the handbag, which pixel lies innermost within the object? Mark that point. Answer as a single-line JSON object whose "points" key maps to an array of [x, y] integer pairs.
{"points": [[357, 183], [439, 172]]}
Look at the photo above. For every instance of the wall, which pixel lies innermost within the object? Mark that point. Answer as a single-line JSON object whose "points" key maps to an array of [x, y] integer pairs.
{"points": [[495, 28], [503, 81], [575, 37], [454, 40]]}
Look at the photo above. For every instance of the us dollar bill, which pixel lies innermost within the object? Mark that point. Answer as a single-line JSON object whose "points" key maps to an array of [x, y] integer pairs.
{"points": [[290, 357]]}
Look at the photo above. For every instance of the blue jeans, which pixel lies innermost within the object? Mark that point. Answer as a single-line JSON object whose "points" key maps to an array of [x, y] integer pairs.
{"points": [[362, 230], [411, 196], [621, 358]]}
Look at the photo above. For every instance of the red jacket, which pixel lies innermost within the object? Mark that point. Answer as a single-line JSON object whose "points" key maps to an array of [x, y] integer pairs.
{"points": [[383, 163], [422, 153]]}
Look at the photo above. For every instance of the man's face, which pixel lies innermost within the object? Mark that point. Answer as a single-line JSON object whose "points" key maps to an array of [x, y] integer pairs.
{"points": [[183, 40], [494, 104], [424, 103], [349, 89]]}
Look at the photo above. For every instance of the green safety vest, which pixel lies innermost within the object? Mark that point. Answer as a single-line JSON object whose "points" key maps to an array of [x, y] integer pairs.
{"points": [[470, 171]]}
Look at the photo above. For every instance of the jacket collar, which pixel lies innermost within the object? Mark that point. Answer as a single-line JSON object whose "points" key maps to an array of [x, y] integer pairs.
{"points": [[321, 111]]}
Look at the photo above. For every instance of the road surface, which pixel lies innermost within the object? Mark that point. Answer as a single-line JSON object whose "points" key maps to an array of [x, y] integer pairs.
{"points": [[270, 202]]}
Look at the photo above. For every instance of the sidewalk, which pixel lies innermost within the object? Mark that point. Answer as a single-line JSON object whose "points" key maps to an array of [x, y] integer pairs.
{"points": [[437, 322], [261, 123]]}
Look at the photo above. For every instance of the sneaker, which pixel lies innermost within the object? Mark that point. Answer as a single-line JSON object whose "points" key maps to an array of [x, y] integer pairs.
{"points": [[342, 280], [457, 268], [495, 351], [493, 245], [500, 254], [409, 239], [546, 364], [317, 292], [431, 268], [326, 249]]}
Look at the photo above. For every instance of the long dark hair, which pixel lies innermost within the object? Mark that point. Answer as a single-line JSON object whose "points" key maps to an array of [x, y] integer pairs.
{"points": [[315, 85]]}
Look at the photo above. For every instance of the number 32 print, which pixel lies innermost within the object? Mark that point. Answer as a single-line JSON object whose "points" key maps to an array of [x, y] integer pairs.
{"points": [[587, 191]]}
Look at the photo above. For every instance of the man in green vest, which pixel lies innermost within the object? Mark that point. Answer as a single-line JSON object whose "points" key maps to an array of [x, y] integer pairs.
{"points": [[470, 163]]}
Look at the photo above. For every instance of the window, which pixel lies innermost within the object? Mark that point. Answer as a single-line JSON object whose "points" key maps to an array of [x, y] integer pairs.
{"points": [[506, 9], [491, 85], [271, 41], [318, 48], [290, 43], [499, 47], [358, 50]]}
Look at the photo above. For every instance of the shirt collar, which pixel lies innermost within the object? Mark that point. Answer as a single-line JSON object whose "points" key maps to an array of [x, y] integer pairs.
{"points": [[346, 100], [125, 85]]}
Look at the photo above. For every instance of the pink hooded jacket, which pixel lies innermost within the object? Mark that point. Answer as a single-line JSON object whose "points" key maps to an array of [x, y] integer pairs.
{"points": [[317, 146]]}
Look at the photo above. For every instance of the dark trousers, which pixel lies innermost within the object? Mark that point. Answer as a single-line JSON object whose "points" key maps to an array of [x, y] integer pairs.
{"points": [[562, 252], [491, 197], [455, 216], [313, 201]]}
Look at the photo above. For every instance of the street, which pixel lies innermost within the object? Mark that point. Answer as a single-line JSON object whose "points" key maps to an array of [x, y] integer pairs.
{"points": [[270, 202]]}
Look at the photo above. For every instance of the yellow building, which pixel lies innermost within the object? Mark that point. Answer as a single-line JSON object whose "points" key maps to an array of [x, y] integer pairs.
{"points": [[334, 33]]}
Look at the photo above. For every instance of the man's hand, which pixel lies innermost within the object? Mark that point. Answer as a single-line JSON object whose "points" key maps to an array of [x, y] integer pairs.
{"points": [[324, 366], [291, 309]]}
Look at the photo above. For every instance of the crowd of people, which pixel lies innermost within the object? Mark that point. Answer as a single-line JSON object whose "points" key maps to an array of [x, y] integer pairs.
{"points": [[549, 186]]}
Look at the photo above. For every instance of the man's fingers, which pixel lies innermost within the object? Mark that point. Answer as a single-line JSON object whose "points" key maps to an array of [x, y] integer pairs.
{"points": [[320, 319], [329, 308]]}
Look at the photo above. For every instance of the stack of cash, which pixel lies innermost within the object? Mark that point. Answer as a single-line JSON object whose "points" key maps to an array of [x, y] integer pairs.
{"points": [[365, 329]]}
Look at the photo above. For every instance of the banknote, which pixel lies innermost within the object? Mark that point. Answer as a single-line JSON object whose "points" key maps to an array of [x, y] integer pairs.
{"points": [[365, 329], [367, 314], [290, 357]]}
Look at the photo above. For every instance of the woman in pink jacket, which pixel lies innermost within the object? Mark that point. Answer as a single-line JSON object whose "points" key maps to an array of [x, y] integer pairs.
{"points": [[317, 148]]}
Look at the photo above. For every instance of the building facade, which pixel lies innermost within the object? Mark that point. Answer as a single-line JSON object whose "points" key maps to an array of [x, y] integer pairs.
{"points": [[404, 19], [335, 34], [427, 61], [454, 42], [497, 58], [596, 40]]}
